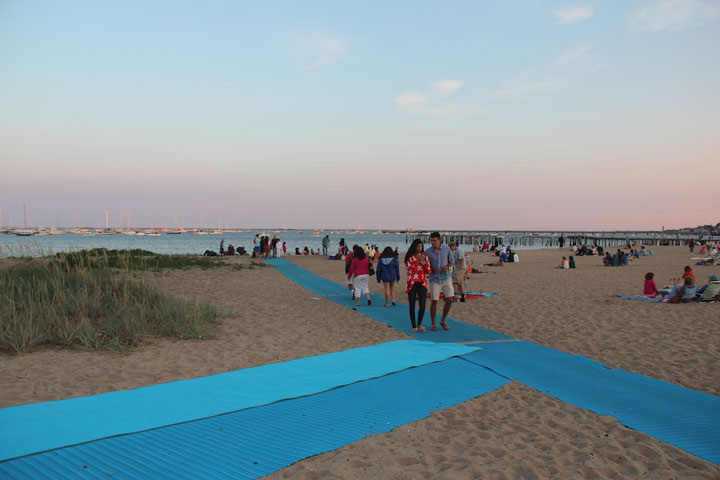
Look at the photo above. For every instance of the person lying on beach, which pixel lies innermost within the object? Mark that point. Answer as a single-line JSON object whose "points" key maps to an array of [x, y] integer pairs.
{"points": [[650, 289]]}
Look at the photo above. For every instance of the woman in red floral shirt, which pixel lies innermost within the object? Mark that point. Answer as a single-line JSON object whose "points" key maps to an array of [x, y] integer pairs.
{"points": [[418, 267]]}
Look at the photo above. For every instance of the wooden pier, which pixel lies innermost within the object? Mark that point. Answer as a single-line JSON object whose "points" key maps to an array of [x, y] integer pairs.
{"points": [[527, 239]]}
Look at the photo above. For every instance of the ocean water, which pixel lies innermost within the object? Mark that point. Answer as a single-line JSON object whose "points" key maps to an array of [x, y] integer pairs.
{"points": [[189, 243]]}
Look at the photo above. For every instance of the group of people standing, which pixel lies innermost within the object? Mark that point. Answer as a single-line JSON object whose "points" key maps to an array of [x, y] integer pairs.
{"points": [[266, 247], [435, 270]]}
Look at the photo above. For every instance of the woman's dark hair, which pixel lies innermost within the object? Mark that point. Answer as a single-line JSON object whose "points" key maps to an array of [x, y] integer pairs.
{"points": [[413, 249], [358, 252], [687, 268], [387, 253], [649, 276]]}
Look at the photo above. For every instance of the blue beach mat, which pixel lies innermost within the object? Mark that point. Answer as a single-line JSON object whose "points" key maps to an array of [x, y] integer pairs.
{"points": [[679, 416], [258, 441], [44, 426], [396, 316], [639, 297]]}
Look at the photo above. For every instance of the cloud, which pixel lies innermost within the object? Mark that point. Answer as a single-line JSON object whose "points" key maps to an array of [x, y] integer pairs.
{"points": [[532, 87], [321, 49], [572, 15], [431, 101], [573, 54], [410, 98], [446, 87], [671, 15]]}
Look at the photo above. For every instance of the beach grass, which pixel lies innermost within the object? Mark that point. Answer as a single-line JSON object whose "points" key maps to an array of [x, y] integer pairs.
{"points": [[138, 259], [95, 299]]}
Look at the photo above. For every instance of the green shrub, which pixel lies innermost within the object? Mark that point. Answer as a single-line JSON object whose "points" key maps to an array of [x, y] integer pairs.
{"points": [[90, 299]]}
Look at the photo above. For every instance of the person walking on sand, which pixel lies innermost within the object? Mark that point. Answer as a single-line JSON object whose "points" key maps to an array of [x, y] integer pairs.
{"points": [[418, 268], [388, 272], [325, 244], [348, 261], [459, 271], [440, 280], [360, 269]]}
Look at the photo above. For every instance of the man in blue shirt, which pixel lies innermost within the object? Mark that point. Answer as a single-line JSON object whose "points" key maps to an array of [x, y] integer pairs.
{"points": [[440, 280]]}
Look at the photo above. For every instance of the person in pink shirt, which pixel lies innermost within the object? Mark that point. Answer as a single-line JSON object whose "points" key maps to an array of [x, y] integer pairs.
{"points": [[650, 289], [360, 269]]}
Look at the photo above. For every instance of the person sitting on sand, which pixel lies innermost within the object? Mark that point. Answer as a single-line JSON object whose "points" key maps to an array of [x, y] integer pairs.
{"points": [[650, 289], [565, 263], [686, 290], [689, 273], [608, 260], [711, 278], [306, 251], [297, 250], [571, 262], [230, 250]]}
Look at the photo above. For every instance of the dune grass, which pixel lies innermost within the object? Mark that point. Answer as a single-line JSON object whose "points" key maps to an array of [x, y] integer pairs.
{"points": [[95, 299]]}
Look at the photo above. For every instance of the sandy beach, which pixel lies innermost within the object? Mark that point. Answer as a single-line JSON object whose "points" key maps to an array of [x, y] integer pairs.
{"points": [[514, 432]]}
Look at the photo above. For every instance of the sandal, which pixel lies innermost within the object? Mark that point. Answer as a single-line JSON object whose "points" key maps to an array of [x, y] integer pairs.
{"points": [[369, 302], [422, 329], [444, 325], [433, 328], [414, 330]]}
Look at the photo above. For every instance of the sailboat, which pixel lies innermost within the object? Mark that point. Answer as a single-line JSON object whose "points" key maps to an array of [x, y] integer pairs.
{"points": [[24, 232], [201, 231]]}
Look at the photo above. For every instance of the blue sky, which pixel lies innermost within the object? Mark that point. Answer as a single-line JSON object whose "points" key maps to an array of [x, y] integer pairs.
{"points": [[474, 115]]}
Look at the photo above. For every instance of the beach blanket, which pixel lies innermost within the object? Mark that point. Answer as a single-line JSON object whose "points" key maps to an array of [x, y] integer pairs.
{"points": [[639, 297], [469, 295]]}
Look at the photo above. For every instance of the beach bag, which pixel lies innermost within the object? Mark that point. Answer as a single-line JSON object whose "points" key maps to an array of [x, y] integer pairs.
{"points": [[371, 270], [675, 299]]}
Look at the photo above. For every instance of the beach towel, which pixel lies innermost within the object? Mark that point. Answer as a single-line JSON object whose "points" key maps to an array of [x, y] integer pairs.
{"points": [[638, 297], [471, 295]]}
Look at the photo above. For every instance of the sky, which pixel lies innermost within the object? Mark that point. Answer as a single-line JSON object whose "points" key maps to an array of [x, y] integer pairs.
{"points": [[466, 115]]}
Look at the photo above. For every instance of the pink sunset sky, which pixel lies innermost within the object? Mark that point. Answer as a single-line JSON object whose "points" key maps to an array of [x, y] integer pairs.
{"points": [[529, 116]]}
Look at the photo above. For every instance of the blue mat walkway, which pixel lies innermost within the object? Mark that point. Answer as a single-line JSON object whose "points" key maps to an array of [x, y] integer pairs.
{"points": [[686, 418], [397, 317], [258, 441], [44, 426], [679, 416]]}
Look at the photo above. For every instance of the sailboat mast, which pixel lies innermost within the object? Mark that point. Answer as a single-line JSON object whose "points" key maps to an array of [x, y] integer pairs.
{"points": [[24, 215]]}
